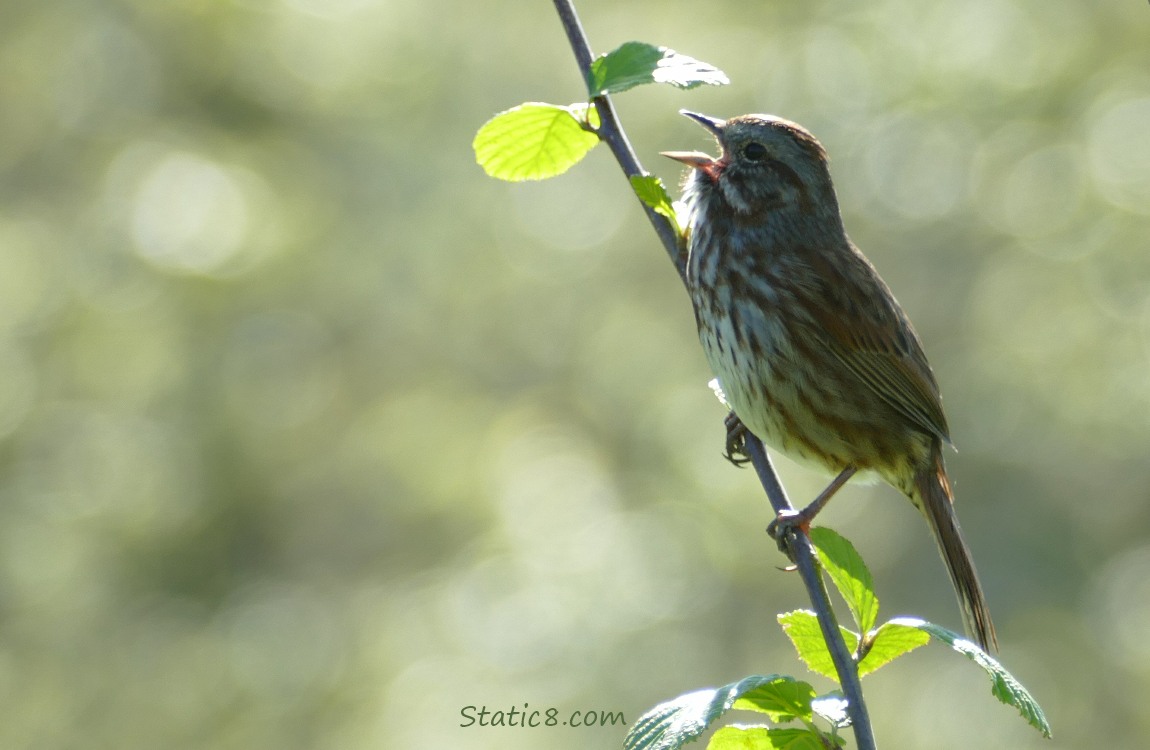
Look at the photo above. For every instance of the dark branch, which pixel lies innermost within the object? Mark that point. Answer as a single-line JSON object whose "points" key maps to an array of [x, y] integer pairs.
{"points": [[803, 554], [611, 132]]}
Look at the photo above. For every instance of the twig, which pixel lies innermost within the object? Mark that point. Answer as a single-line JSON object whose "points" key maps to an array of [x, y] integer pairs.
{"points": [[804, 558], [611, 132]]}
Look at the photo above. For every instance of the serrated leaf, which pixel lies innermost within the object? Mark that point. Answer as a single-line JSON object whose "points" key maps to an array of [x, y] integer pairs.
{"points": [[637, 63], [833, 708], [761, 738], [533, 141], [653, 193], [783, 699], [849, 574], [680, 720], [802, 627], [1002, 684], [889, 642], [686, 72]]}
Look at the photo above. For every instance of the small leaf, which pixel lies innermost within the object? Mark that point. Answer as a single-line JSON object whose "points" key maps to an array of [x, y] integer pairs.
{"points": [[687, 72], [889, 642], [802, 627], [652, 192], [636, 63], [737, 737], [801, 739], [783, 699], [833, 708], [680, 720], [1002, 684], [629, 65], [849, 574], [533, 141]]}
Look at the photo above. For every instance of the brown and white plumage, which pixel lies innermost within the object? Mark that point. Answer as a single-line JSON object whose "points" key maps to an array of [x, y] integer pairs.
{"points": [[812, 350]]}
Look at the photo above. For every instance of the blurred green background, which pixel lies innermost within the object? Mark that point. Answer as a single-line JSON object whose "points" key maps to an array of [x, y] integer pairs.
{"points": [[313, 435]]}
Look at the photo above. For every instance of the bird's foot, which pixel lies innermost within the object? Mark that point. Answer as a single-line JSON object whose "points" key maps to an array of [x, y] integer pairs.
{"points": [[800, 520], [786, 522], [736, 445]]}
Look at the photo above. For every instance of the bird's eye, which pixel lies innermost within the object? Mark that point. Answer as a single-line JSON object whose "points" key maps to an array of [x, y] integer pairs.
{"points": [[754, 152]]}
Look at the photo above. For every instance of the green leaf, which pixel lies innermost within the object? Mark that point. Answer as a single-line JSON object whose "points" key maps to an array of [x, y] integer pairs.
{"points": [[636, 63], [802, 627], [801, 739], [737, 737], [534, 141], [680, 720], [890, 641], [783, 699], [652, 192], [761, 738], [849, 574], [1002, 684]]}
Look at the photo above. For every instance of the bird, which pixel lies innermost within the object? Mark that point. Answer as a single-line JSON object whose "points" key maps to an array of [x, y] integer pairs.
{"points": [[811, 350]]}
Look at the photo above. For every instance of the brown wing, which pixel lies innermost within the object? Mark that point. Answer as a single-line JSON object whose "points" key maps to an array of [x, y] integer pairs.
{"points": [[876, 340]]}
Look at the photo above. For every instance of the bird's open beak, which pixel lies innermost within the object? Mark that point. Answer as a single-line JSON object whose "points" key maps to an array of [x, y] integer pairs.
{"points": [[713, 124], [697, 159]]}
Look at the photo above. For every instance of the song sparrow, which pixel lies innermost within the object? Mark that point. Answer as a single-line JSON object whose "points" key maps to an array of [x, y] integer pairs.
{"points": [[812, 351]]}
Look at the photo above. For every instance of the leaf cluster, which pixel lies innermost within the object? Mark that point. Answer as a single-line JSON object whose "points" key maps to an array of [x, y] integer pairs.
{"points": [[535, 141], [786, 700]]}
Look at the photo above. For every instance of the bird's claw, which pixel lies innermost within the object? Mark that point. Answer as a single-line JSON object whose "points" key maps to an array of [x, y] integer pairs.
{"points": [[780, 529], [736, 441]]}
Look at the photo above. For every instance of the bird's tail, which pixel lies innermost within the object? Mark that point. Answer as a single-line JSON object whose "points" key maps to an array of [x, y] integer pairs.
{"points": [[937, 504]]}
